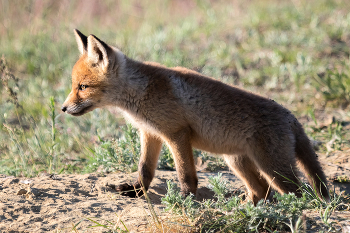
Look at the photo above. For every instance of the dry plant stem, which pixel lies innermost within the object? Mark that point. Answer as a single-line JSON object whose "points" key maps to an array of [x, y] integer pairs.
{"points": [[268, 190], [150, 206], [5, 76]]}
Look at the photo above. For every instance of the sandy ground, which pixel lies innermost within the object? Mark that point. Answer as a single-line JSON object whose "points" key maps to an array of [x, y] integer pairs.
{"points": [[48, 203], [57, 203]]}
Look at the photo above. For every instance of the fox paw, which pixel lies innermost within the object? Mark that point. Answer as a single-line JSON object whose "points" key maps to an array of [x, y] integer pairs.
{"points": [[129, 190]]}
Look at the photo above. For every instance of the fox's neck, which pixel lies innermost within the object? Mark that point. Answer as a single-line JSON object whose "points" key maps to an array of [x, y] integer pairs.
{"points": [[131, 83]]}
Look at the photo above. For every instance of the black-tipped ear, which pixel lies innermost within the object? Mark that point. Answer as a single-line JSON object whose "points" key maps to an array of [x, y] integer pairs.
{"points": [[98, 51], [81, 40]]}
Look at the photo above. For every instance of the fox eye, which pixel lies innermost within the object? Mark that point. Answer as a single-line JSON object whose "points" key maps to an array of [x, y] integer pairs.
{"points": [[82, 87]]}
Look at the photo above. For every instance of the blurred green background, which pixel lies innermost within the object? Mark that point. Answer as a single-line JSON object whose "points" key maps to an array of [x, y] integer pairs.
{"points": [[295, 52]]}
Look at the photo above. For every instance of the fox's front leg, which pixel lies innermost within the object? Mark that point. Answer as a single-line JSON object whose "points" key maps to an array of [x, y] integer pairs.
{"points": [[150, 150], [180, 146]]}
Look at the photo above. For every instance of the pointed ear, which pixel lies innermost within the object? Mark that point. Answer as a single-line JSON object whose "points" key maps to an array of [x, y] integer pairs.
{"points": [[81, 40], [98, 51]]}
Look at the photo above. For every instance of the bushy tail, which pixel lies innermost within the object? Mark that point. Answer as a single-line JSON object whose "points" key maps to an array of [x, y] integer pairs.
{"points": [[309, 163]]}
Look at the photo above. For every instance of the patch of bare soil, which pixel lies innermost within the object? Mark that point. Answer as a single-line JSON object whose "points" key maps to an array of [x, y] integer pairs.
{"points": [[48, 203], [57, 203]]}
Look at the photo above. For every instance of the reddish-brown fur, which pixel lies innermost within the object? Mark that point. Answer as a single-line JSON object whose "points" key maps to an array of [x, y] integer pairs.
{"points": [[261, 140]]}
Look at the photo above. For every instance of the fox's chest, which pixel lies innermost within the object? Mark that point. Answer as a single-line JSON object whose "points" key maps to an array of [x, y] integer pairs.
{"points": [[141, 123]]}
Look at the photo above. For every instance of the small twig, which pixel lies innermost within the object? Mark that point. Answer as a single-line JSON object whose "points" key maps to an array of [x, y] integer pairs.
{"points": [[54, 177], [268, 190], [150, 206]]}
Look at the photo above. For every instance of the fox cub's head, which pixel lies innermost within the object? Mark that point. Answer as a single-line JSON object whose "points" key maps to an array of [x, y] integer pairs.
{"points": [[93, 76]]}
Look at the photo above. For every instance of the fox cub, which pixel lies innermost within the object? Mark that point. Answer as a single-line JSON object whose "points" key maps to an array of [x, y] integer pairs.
{"points": [[260, 140]]}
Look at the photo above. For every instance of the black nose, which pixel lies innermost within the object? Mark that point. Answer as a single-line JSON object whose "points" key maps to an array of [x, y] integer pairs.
{"points": [[64, 108]]}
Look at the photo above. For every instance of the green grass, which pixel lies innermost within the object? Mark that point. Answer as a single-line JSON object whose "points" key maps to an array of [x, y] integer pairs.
{"points": [[230, 213], [295, 52]]}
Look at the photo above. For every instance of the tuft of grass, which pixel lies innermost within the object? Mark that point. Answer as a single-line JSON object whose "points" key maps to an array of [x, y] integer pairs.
{"points": [[342, 179], [333, 135], [123, 153], [116, 155], [107, 225], [232, 213], [334, 84]]}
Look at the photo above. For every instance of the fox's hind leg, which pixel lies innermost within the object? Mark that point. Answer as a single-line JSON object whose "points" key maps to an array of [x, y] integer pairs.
{"points": [[247, 171], [276, 162], [150, 150]]}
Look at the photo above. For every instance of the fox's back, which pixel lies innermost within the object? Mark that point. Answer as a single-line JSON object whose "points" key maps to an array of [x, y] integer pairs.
{"points": [[222, 118]]}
